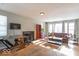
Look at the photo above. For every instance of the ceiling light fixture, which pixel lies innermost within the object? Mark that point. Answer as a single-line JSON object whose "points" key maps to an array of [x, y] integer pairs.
{"points": [[42, 13]]}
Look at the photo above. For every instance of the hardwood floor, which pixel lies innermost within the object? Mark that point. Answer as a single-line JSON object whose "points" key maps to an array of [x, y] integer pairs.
{"points": [[39, 49], [33, 50]]}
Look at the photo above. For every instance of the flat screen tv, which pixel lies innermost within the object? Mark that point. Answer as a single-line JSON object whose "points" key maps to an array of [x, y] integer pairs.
{"points": [[15, 26]]}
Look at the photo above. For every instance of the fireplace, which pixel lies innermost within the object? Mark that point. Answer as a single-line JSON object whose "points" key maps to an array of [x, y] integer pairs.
{"points": [[29, 36]]}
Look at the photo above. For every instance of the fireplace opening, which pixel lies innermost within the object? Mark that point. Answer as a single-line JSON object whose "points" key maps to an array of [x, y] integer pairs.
{"points": [[29, 36]]}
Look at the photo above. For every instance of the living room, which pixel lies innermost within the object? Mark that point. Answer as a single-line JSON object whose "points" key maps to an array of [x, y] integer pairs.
{"points": [[44, 27]]}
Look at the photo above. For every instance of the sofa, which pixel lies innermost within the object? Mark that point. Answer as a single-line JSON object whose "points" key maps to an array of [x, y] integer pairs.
{"points": [[64, 36]]}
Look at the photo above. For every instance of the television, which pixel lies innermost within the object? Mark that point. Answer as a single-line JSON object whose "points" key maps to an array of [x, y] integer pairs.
{"points": [[15, 26]]}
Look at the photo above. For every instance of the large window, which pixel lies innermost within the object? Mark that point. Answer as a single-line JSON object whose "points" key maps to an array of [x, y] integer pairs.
{"points": [[58, 27], [66, 27], [3, 25], [55, 27], [71, 28], [50, 28]]}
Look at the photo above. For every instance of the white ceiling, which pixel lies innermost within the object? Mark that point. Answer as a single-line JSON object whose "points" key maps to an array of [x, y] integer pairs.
{"points": [[52, 11]]}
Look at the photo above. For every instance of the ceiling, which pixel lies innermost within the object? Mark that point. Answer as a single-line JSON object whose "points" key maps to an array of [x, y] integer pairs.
{"points": [[53, 11]]}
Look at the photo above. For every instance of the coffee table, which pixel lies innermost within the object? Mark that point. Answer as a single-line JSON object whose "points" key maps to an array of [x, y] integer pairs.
{"points": [[55, 40]]}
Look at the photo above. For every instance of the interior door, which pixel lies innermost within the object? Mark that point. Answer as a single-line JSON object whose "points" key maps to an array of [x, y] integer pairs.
{"points": [[38, 31]]}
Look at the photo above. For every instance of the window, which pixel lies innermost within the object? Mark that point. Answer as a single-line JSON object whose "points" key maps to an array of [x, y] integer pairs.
{"points": [[55, 27], [58, 27], [3, 25], [66, 27], [71, 28], [50, 28]]}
